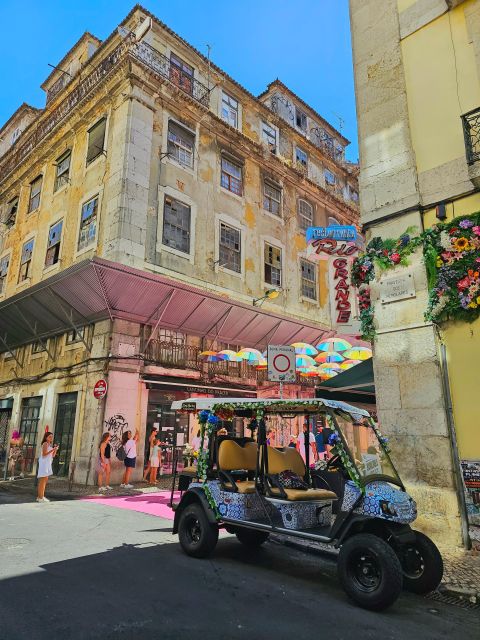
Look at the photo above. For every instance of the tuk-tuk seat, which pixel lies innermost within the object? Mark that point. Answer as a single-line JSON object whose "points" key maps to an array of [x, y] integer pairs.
{"points": [[234, 457]]}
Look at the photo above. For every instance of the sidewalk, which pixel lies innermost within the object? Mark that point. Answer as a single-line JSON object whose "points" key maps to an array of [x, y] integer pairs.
{"points": [[461, 578]]}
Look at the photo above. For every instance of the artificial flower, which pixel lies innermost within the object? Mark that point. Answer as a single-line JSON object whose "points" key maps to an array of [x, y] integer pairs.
{"points": [[453, 231], [476, 230], [395, 258], [439, 262], [473, 305], [465, 224], [461, 244], [463, 283]]}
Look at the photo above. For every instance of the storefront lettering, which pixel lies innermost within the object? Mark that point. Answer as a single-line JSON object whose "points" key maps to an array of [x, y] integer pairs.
{"points": [[332, 247], [342, 296]]}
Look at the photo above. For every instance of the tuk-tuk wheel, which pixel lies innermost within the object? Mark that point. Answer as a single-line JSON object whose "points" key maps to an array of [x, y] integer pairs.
{"points": [[251, 538], [422, 564], [369, 571], [198, 537]]}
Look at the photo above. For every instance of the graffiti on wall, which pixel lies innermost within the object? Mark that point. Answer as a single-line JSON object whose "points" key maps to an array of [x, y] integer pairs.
{"points": [[471, 479], [116, 427]]}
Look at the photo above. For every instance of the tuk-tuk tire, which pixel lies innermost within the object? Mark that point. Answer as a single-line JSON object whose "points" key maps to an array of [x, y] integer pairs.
{"points": [[250, 537], [197, 535], [432, 573], [369, 571]]}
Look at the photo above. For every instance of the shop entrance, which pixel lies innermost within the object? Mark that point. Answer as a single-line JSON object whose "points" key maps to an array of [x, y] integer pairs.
{"points": [[29, 419], [172, 426], [5, 415], [64, 428]]}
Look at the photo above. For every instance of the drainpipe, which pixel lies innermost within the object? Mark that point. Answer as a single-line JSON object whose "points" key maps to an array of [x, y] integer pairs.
{"points": [[457, 469]]}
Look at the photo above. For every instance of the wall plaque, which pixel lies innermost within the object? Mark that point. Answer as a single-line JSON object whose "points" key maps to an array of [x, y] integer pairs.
{"points": [[398, 288]]}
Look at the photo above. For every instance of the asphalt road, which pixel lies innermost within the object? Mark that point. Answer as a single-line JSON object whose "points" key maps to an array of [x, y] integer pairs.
{"points": [[77, 570]]}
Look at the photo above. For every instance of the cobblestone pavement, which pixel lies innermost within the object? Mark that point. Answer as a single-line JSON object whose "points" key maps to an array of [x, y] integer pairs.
{"points": [[461, 568]]}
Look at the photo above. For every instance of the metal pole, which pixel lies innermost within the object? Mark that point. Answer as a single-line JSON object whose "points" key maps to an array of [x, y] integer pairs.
{"points": [[281, 389]]}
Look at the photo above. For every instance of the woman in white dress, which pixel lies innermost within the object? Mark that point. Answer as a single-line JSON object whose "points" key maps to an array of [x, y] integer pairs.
{"points": [[45, 465]]}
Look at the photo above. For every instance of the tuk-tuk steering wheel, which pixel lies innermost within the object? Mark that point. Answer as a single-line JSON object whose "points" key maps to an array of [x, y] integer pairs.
{"points": [[332, 463]]}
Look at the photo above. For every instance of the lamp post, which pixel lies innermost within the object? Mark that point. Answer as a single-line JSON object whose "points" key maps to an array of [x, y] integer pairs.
{"points": [[270, 294]]}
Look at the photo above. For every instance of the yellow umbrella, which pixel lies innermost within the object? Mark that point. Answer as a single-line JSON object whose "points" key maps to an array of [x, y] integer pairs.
{"points": [[358, 353]]}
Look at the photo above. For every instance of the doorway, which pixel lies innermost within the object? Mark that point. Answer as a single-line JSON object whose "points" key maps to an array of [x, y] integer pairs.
{"points": [[29, 420], [64, 429], [5, 415]]}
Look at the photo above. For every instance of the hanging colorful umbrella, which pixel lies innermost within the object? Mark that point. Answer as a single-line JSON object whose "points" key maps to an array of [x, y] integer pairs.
{"points": [[210, 356], [229, 355], [334, 344], [328, 365], [348, 364], [250, 355], [358, 353], [304, 362], [325, 356], [303, 348], [310, 373]]}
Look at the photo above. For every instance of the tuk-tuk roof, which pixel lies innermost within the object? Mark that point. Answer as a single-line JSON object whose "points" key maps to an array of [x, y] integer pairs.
{"points": [[290, 404]]}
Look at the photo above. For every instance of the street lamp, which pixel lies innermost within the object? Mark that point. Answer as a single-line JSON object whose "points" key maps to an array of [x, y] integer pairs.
{"points": [[270, 294]]}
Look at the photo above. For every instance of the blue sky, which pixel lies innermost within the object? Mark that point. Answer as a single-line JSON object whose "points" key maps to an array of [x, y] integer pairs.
{"points": [[305, 43]]}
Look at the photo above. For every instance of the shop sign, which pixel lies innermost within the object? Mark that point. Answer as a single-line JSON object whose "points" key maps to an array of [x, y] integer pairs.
{"points": [[189, 406], [341, 232], [471, 481], [100, 389], [281, 363], [342, 301], [336, 240], [399, 288]]}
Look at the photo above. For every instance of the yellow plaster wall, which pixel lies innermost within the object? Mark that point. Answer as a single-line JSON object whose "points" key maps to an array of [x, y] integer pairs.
{"points": [[442, 83]]}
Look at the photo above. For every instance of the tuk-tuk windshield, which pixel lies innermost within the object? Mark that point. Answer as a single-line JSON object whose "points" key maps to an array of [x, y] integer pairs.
{"points": [[366, 451]]}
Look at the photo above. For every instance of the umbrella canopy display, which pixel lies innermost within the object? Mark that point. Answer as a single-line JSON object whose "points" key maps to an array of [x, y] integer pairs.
{"points": [[250, 355], [229, 355], [328, 365], [304, 362], [210, 356], [348, 364], [326, 356], [312, 372], [358, 353], [334, 344], [303, 348]]}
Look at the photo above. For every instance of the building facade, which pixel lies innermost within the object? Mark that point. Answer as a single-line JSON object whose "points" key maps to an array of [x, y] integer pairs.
{"points": [[146, 210], [418, 101]]}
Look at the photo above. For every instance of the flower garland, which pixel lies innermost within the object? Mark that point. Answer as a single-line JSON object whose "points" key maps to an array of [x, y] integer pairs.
{"points": [[208, 424], [338, 449], [452, 259]]}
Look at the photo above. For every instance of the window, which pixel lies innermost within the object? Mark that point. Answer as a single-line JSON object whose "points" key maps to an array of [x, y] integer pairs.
{"points": [[330, 178], [4, 262], [231, 176], [269, 135], [181, 143], [230, 248], [353, 194], [53, 245], [300, 119], [166, 335], [96, 140], [176, 225], [230, 110], [74, 336], [37, 347], [272, 197], [305, 214], [63, 170], [301, 157], [273, 265], [309, 279], [26, 260], [88, 223], [35, 189], [181, 73], [12, 208]]}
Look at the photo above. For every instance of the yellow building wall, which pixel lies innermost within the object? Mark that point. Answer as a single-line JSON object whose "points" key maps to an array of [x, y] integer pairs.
{"points": [[442, 84], [463, 354]]}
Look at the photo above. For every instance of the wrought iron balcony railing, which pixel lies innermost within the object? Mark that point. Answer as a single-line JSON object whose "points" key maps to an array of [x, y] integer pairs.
{"points": [[471, 132], [177, 76], [147, 55], [174, 355]]}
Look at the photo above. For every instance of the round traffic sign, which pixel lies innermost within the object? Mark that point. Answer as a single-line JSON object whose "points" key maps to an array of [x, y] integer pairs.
{"points": [[100, 389], [281, 363]]}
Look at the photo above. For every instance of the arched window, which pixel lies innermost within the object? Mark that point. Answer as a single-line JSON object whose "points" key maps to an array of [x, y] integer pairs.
{"points": [[305, 214], [333, 221]]}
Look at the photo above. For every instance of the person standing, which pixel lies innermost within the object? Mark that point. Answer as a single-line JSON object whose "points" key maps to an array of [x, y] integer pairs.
{"points": [[320, 442], [47, 453], [151, 438], [103, 463], [129, 443], [302, 438], [15, 455], [155, 460]]}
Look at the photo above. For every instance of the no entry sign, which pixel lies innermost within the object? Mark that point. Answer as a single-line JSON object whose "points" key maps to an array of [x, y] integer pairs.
{"points": [[100, 389], [281, 363]]}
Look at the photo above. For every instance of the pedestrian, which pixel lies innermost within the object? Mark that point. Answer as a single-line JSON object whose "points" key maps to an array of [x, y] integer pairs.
{"points": [[293, 442], [271, 437], [196, 441], [320, 442], [302, 438], [155, 460], [129, 444], [16, 455], [103, 463], [151, 438], [47, 453]]}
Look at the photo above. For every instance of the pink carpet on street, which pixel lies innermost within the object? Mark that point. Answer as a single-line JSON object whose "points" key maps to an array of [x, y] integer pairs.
{"points": [[155, 504]]}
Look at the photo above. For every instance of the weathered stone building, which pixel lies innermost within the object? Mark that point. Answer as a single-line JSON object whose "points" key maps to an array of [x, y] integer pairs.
{"points": [[143, 210], [417, 83]]}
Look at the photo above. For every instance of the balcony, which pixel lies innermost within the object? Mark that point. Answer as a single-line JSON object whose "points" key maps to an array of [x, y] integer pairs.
{"points": [[174, 355], [471, 133]]}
